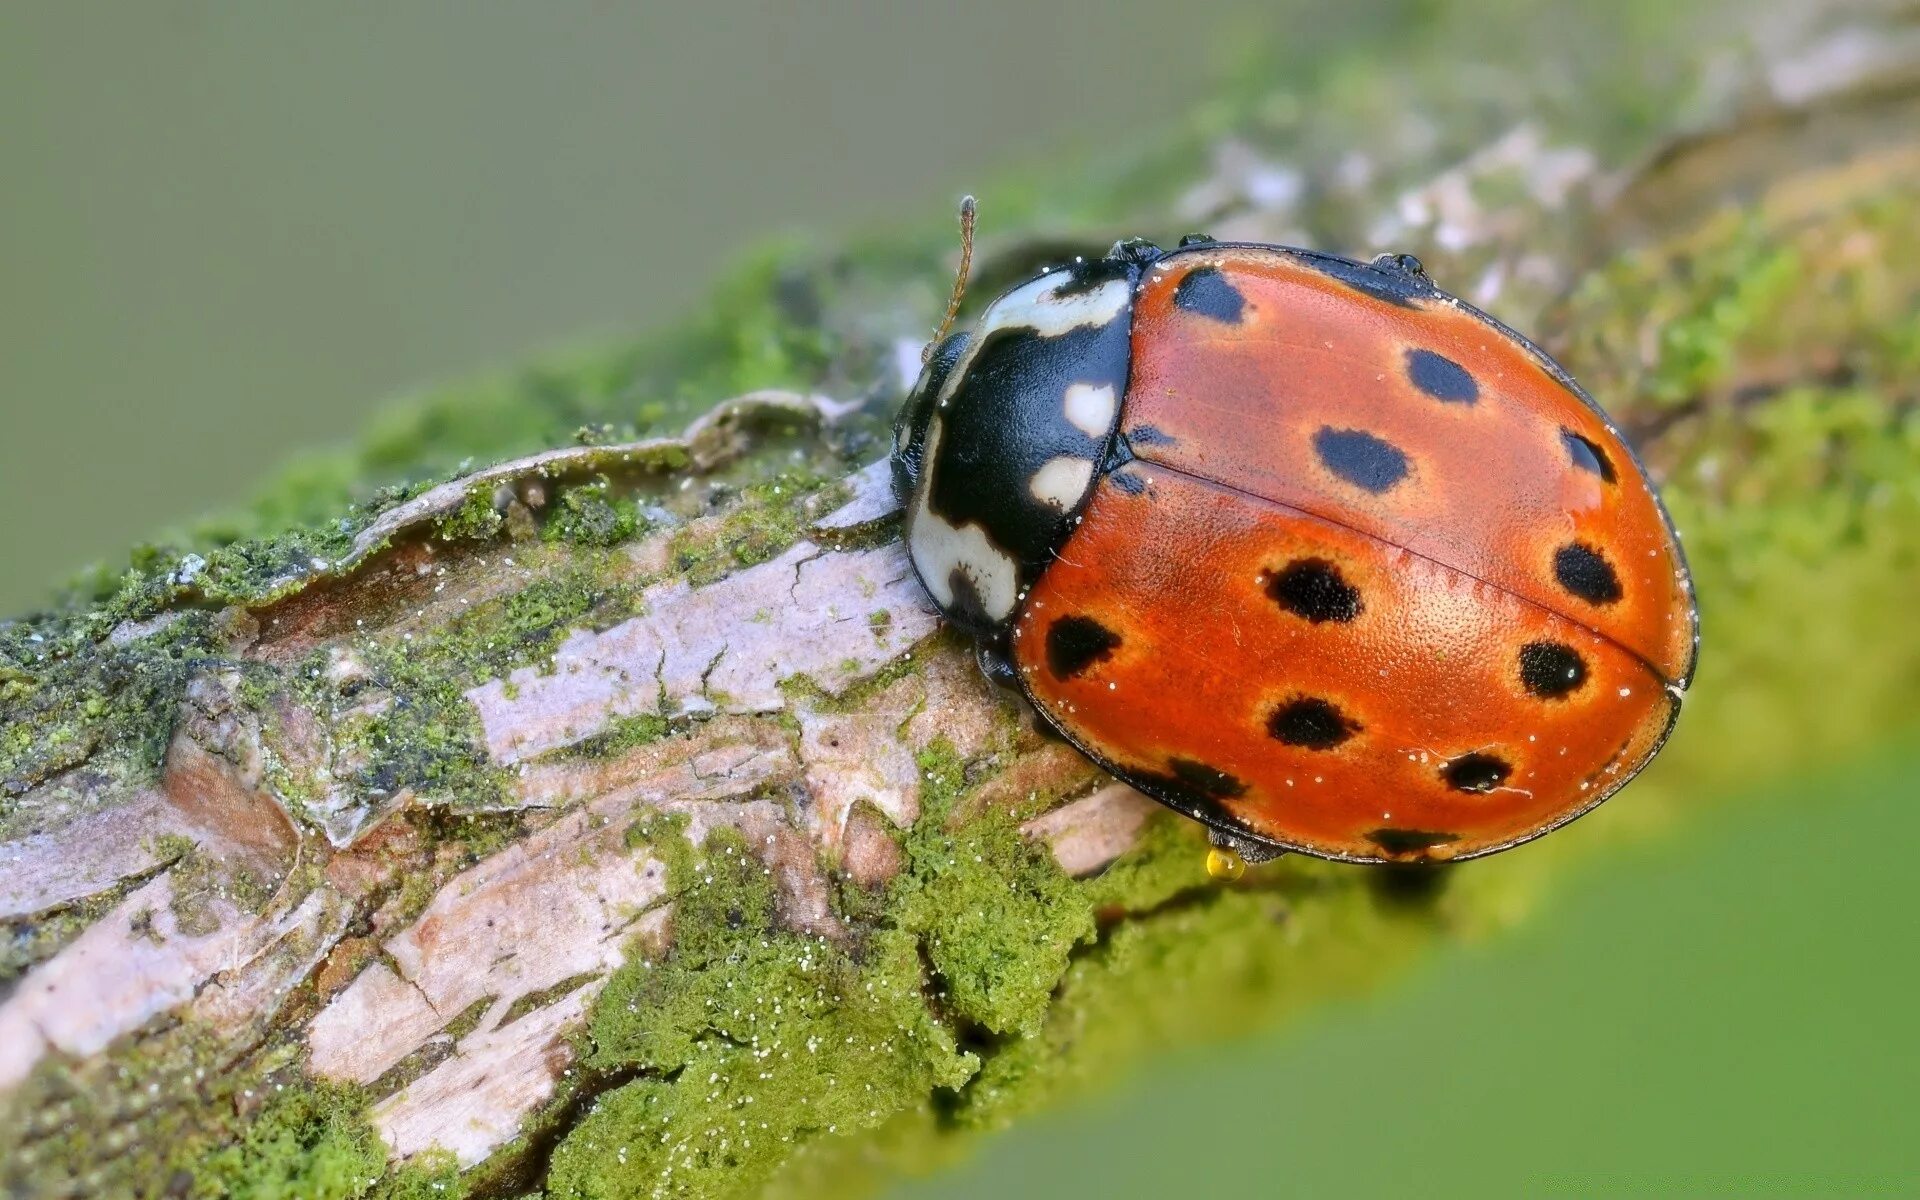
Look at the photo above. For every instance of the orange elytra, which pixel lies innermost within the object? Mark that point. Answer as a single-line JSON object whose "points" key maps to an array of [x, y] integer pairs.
{"points": [[1302, 547]]}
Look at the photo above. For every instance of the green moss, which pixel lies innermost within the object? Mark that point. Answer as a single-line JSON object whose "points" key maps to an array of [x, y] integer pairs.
{"points": [[72, 693], [434, 1050], [428, 741], [1168, 860], [199, 878], [1772, 371], [768, 518], [534, 1000], [746, 1040], [1223, 961], [592, 515], [749, 1041], [1741, 308], [168, 1113], [996, 916], [26, 942], [621, 735], [307, 1144], [428, 738], [434, 1175], [475, 520]]}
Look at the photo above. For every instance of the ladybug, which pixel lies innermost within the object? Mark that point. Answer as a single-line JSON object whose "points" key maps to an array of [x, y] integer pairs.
{"points": [[1302, 547]]}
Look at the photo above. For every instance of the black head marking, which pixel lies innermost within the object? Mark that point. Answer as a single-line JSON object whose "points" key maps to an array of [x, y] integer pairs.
{"points": [[1441, 377], [1583, 571], [1360, 458], [1076, 643], [1409, 841], [968, 608], [1587, 455], [1551, 670], [1476, 772], [1210, 782], [1310, 722], [1206, 292], [910, 423], [1086, 275], [1313, 588], [1004, 419]]}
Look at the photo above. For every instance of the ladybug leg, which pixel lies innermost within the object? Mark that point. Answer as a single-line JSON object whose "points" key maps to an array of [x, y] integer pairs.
{"points": [[1228, 854], [1045, 728], [996, 664]]}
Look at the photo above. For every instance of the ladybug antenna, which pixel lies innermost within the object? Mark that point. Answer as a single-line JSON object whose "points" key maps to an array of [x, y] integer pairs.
{"points": [[959, 278]]}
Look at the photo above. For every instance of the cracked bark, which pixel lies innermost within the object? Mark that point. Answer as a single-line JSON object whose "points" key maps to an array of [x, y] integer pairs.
{"points": [[259, 886]]}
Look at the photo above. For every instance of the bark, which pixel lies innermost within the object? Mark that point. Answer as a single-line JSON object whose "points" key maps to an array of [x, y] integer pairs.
{"points": [[426, 817]]}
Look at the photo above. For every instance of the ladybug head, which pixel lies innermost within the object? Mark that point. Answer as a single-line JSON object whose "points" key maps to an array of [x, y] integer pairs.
{"points": [[1006, 433], [910, 423]]}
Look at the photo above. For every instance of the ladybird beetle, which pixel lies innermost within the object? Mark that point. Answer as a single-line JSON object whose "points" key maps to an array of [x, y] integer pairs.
{"points": [[1302, 547]]}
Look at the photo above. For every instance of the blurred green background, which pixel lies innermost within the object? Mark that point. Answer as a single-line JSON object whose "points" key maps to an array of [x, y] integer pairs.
{"points": [[1728, 1012], [227, 232]]}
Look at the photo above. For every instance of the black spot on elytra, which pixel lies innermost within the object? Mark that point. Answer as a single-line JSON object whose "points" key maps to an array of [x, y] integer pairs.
{"points": [[1076, 643], [1196, 789], [1310, 722], [1360, 458], [1476, 772], [1314, 588], [1441, 377], [1587, 455], [1148, 435], [1582, 571], [1129, 482], [1409, 841], [1210, 782], [1394, 287], [1550, 670], [1206, 292]]}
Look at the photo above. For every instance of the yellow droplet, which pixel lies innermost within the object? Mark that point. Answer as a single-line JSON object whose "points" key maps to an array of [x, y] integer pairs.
{"points": [[1225, 864]]}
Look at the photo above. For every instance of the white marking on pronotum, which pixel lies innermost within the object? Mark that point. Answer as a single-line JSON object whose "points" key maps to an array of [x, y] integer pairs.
{"points": [[939, 547], [1040, 306], [1037, 305], [1061, 481], [1090, 408]]}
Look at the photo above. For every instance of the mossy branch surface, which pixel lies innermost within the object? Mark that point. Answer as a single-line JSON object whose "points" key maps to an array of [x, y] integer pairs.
{"points": [[552, 797]]}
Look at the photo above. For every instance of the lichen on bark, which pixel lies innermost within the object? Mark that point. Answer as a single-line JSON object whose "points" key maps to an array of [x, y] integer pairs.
{"points": [[552, 797]]}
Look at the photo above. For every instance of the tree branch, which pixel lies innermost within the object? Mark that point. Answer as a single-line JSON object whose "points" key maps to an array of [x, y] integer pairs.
{"points": [[617, 819]]}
